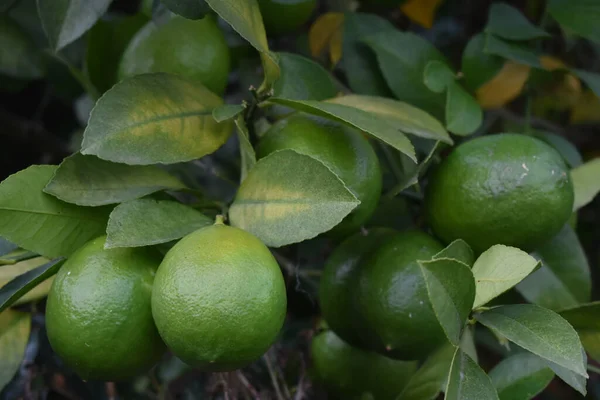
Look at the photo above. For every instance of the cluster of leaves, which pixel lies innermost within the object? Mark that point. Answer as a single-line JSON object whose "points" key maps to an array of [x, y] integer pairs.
{"points": [[145, 136]]}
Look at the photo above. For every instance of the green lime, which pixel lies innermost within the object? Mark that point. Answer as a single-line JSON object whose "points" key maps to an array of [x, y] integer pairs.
{"points": [[391, 297], [352, 373], [98, 315], [507, 188], [219, 298], [285, 16], [193, 49], [343, 149], [342, 270]]}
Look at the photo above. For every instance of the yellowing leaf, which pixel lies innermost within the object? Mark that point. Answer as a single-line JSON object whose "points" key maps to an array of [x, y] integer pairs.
{"points": [[586, 109], [326, 34], [504, 87], [14, 333], [421, 11]]}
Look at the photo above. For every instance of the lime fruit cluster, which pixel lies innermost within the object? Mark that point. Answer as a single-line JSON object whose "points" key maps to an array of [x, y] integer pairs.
{"points": [[344, 150], [506, 189], [98, 314], [195, 49]]}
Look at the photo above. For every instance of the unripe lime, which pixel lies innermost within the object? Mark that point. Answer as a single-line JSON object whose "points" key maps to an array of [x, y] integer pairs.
{"points": [[285, 16]]}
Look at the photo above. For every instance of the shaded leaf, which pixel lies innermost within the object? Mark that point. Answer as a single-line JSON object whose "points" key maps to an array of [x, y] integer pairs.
{"points": [[477, 66], [19, 57], [290, 197], [463, 114], [521, 376], [585, 182], [504, 87], [14, 334], [24, 283], [6, 246], [16, 256], [39, 222], [190, 9], [90, 181], [227, 111], [247, 153], [498, 269], [507, 22], [10, 272], [591, 79], [438, 76], [572, 379], [517, 52], [303, 79], [467, 381], [585, 319], [146, 222], [431, 377], [451, 290], [458, 250], [567, 150], [66, 20], [383, 129], [154, 118], [564, 279], [541, 331], [579, 16], [467, 343]]}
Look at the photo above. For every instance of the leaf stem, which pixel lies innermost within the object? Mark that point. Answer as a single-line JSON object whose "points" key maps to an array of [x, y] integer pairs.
{"points": [[593, 368]]}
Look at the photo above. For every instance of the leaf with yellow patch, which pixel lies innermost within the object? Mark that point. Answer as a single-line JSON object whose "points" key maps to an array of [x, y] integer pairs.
{"points": [[10, 272], [326, 34], [586, 109], [421, 11], [14, 333], [504, 87]]}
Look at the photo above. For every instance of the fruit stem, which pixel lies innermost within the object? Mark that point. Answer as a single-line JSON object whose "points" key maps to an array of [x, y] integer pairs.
{"points": [[219, 220]]}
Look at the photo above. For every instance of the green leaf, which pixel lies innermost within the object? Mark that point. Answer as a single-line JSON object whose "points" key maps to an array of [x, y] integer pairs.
{"points": [[66, 20], [577, 382], [507, 22], [585, 182], [10, 272], [411, 173], [402, 57], [541, 331], [190, 9], [247, 153], [227, 111], [498, 269], [14, 334], [146, 222], [39, 222], [458, 250], [358, 62], [438, 76], [477, 66], [244, 17], [106, 43], [430, 378], [512, 51], [406, 118], [463, 113], [567, 150], [384, 129], [154, 118], [467, 342], [16, 256], [591, 79], [467, 381], [90, 181], [579, 16], [451, 289], [521, 376], [19, 57], [290, 197], [564, 279], [24, 283], [586, 321], [6, 246], [303, 79]]}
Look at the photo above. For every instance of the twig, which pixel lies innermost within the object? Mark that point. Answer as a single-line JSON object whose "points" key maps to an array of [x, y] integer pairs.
{"points": [[274, 380], [244, 381]]}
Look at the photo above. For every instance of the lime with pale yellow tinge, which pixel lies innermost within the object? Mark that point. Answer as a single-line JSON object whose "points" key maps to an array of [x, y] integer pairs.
{"points": [[98, 314], [506, 189], [219, 298]]}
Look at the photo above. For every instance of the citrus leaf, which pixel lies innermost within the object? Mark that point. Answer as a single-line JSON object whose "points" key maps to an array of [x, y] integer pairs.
{"points": [[467, 343], [585, 319], [303, 79], [247, 153], [504, 87], [10, 272], [463, 114], [585, 182], [66, 20], [521, 376], [477, 66], [39, 222], [6, 247], [384, 129], [438, 76], [323, 31], [14, 334], [190, 9], [591, 79], [154, 118], [24, 283], [430, 378], [451, 290], [564, 279], [227, 111], [245, 18], [402, 57], [541, 331], [498, 269], [146, 222], [467, 381], [421, 11], [512, 51], [567, 150], [90, 181], [507, 22], [15, 256], [408, 119], [19, 57], [290, 197], [579, 16], [458, 250], [577, 382]]}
